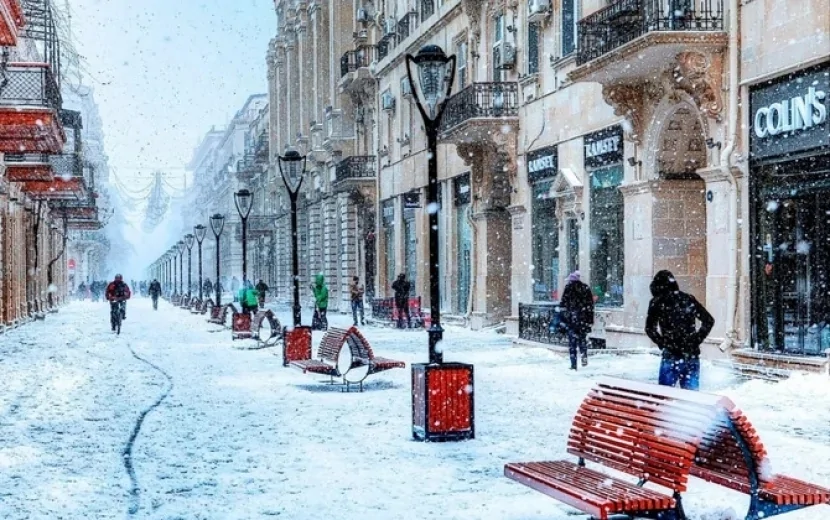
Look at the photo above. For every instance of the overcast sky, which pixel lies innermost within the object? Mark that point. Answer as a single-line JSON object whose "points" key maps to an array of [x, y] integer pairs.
{"points": [[164, 71]]}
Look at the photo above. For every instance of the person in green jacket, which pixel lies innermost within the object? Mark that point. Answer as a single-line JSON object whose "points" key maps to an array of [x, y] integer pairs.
{"points": [[248, 297], [321, 299]]}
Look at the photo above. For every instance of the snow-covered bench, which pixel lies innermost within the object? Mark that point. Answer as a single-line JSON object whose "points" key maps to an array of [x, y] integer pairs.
{"points": [[353, 364], [660, 436]]}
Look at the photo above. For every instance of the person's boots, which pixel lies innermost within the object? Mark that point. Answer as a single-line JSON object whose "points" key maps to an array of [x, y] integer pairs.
{"points": [[585, 359]]}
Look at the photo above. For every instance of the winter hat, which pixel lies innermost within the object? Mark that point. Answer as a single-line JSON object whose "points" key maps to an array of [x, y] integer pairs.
{"points": [[574, 276]]}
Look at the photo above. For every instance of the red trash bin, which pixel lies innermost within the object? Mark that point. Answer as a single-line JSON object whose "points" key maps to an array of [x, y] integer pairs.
{"points": [[296, 344]]}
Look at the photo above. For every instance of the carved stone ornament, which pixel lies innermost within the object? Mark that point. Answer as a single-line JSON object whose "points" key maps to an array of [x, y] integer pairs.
{"points": [[491, 172], [632, 101], [473, 8], [699, 75]]}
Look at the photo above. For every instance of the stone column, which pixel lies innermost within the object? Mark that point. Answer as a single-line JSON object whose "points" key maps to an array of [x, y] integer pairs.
{"points": [[521, 261]]}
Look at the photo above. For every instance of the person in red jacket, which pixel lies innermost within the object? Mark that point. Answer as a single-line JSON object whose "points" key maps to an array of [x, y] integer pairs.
{"points": [[118, 292]]}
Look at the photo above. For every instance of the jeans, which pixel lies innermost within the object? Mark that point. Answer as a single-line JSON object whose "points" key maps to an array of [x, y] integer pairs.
{"points": [[155, 302], [577, 341], [684, 370], [357, 305]]}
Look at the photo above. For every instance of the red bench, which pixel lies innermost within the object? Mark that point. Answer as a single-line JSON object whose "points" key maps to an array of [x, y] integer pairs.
{"points": [[353, 365], [218, 314], [660, 435]]}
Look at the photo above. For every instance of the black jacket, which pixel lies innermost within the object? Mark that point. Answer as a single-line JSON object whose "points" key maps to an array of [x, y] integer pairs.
{"points": [[401, 287], [577, 307], [672, 318], [262, 288], [155, 289]]}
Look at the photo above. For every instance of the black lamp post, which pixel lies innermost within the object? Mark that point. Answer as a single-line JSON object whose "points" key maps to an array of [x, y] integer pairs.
{"points": [[172, 253], [200, 231], [180, 247], [292, 168], [445, 389], [217, 224], [244, 200], [188, 242]]}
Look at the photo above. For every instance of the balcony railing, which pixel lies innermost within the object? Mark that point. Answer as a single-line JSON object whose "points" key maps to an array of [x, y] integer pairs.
{"points": [[355, 167], [67, 165], [261, 146], [540, 322], [481, 100], [407, 25], [357, 58], [30, 84], [625, 20]]}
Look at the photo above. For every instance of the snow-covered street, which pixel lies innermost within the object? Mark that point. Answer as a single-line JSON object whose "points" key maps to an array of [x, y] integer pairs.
{"points": [[239, 436]]}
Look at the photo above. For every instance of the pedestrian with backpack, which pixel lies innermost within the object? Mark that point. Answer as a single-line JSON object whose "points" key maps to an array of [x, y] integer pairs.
{"points": [[248, 298], [672, 325], [577, 307], [321, 303]]}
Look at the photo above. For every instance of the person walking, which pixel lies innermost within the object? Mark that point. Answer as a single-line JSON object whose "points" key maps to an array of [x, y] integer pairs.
{"points": [[402, 286], [671, 324], [234, 286], [321, 301], [248, 298], [262, 291], [82, 291], [577, 307], [207, 288], [356, 290], [155, 292]]}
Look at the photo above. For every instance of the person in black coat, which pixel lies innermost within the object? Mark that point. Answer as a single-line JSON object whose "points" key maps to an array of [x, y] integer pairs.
{"points": [[577, 306], [672, 325], [402, 286], [155, 292]]}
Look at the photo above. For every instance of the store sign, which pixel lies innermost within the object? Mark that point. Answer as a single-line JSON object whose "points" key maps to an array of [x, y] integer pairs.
{"points": [[790, 114], [604, 147], [462, 189], [542, 164], [412, 200]]}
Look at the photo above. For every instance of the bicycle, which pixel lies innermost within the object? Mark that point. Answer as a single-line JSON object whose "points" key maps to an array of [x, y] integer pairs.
{"points": [[117, 312]]}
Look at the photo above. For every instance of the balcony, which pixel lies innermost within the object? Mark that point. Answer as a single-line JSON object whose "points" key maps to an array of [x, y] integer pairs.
{"points": [[479, 110], [248, 167], [261, 147], [354, 172], [354, 68], [630, 40], [30, 101], [11, 22], [407, 25], [68, 181], [28, 167]]}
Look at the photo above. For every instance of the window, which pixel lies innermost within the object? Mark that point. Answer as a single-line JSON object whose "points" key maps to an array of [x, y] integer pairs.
{"points": [[461, 57], [498, 39], [532, 48], [569, 27], [607, 243], [545, 236]]}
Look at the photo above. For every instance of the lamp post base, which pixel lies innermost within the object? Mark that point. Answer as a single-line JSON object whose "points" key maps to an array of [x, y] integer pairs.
{"points": [[442, 402]]}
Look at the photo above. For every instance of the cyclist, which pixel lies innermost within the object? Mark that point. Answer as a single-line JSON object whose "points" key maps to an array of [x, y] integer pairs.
{"points": [[118, 292], [155, 292]]}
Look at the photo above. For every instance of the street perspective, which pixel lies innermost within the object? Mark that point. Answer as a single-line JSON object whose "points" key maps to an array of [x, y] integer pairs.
{"points": [[415, 259]]}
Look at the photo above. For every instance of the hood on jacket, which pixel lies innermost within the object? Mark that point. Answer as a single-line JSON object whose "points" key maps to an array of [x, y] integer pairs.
{"points": [[663, 283], [319, 280]]}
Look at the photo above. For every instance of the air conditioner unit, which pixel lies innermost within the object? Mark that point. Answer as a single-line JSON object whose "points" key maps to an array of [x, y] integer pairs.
{"points": [[538, 10], [507, 56], [388, 102], [363, 15], [389, 26]]}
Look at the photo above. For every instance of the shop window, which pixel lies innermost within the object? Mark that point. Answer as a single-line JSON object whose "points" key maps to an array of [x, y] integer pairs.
{"points": [[607, 242], [545, 237]]}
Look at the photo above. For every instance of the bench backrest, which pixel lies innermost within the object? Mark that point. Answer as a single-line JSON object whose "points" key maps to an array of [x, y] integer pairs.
{"points": [[329, 348], [359, 345], [721, 452], [642, 430]]}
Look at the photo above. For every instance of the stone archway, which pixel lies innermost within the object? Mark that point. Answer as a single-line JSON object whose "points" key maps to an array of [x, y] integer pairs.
{"points": [[675, 152]]}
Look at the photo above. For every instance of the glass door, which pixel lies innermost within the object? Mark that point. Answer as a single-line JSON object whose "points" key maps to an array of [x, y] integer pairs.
{"points": [[465, 248]]}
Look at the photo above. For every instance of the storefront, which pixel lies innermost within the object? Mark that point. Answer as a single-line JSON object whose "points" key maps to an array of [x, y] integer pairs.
{"points": [[387, 209], [411, 202], [790, 207], [542, 167], [604, 167], [464, 241]]}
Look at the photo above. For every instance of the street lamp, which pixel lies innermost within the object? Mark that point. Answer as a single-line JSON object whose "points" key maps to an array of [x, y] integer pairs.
{"points": [[292, 168], [188, 241], [244, 200], [180, 248], [438, 388], [435, 72], [217, 224], [171, 253], [200, 231]]}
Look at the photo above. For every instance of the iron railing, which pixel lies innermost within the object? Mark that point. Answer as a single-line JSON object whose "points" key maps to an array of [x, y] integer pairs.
{"points": [[407, 25], [26, 158], [355, 167], [625, 20], [383, 309], [261, 146], [67, 165], [541, 322], [362, 56], [481, 100], [30, 84]]}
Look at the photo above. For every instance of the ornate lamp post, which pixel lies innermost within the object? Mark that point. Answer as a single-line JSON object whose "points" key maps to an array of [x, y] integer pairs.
{"points": [[172, 254], [244, 201], [188, 242], [292, 168], [200, 231], [180, 247], [447, 387], [217, 224]]}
